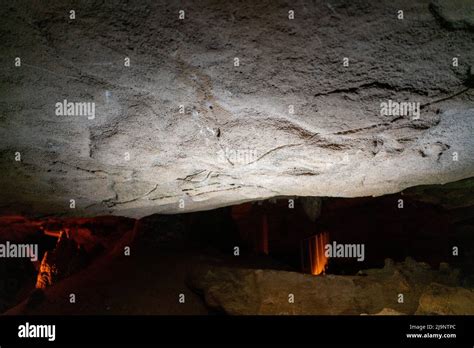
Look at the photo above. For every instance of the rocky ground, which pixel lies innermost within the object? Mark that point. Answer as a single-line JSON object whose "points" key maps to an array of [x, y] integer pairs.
{"points": [[376, 291], [290, 119]]}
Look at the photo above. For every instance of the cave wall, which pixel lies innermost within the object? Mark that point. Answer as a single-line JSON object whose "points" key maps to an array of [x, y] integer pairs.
{"points": [[183, 129]]}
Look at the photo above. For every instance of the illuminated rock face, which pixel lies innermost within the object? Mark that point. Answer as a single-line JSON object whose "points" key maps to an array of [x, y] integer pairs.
{"points": [[229, 104], [66, 259]]}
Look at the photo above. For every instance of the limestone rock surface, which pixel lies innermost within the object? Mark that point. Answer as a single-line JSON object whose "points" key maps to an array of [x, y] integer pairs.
{"points": [[184, 129], [373, 292]]}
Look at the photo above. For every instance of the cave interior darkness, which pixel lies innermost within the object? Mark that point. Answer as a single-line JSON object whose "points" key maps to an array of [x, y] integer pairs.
{"points": [[271, 234]]}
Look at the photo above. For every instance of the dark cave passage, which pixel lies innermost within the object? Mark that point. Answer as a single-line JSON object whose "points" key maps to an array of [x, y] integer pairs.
{"points": [[386, 226], [303, 235]]}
